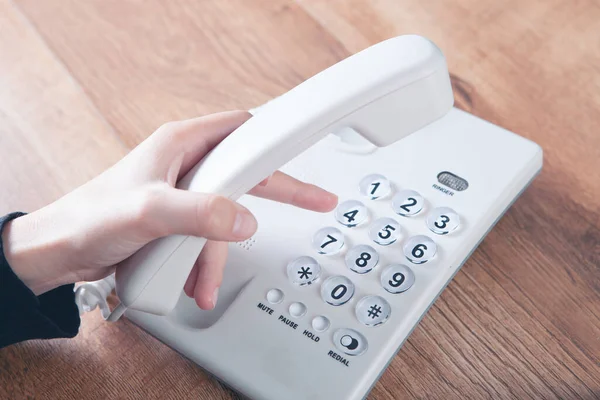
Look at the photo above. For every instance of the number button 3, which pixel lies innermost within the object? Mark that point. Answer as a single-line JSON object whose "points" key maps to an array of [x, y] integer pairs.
{"points": [[328, 240], [362, 258], [385, 231], [337, 290], [407, 203], [351, 213], [419, 249], [397, 278], [443, 220]]}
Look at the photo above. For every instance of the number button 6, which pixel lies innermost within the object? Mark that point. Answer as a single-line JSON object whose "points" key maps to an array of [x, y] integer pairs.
{"points": [[407, 203], [419, 249]]}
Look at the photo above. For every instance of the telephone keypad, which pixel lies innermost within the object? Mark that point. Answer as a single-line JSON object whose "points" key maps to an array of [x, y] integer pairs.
{"points": [[351, 213], [373, 310], [328, 240], [362, 258], [419, 249], [303, 270], [397, 278], [443, 220], [374, 186], [337, 290], [385, 231], [407, 203]]}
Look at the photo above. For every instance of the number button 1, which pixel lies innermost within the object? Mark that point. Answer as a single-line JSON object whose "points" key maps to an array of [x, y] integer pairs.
{"points": [[397, 278], [351, 213], [419, 249], [374, 186], [337, 290], [443, 220], [328, 240], [385, 231], [407, 203]]}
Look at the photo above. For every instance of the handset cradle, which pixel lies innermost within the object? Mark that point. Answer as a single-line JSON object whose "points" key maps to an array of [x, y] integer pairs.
{"points": [[384, 92]]}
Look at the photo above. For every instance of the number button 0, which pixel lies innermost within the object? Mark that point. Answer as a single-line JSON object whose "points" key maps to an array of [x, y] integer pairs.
{"points": [[374, 186], [397, 278], [443, 220], [385, 231], [362, 258], [351, 213], [419, 249], [407, 203], [337, 290], [328, 240]]}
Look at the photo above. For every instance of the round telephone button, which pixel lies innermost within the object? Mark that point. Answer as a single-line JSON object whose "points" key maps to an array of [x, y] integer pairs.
{"points": [[350, 342], [397, 278], [303, 270], [351, 213], [374, 186], [337, 290], [362, 258], [297, 310], [328, 240], [407, 203], [373, 310], [419, 249], [274, 296], [385, 231], [443, 220], [320, 323]]}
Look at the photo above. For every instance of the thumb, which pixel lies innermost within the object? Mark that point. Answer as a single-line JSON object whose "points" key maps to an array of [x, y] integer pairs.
{"points": [[204, 215]]}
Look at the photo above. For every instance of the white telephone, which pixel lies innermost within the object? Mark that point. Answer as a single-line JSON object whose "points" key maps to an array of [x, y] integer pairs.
{"points": [[314, 306]]}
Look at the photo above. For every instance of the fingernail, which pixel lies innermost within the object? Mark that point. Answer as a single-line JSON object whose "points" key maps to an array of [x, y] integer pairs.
{"points": [[244, 225], [215, 297]]}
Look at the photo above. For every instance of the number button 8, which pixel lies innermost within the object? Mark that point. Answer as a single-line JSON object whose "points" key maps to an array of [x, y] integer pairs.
{"points": [[374, 186], [385, 231], [328, 240], [337, 290], [362, 259], [407, 203], [443, 220], [419, 249], [351, 213]]}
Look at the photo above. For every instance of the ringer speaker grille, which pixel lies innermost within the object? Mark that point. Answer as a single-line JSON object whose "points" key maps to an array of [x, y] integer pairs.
{"points": [[247, 244]]}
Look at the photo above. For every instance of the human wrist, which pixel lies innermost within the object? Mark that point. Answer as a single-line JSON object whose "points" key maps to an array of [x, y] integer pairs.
{"points": [[33, 254]]}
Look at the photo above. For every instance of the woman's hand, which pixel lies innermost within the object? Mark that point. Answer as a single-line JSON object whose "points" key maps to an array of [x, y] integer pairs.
{"points": [[85, 234]]}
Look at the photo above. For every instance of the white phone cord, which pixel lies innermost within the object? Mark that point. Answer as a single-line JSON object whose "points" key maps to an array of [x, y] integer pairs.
{"points": [[90, 295]]}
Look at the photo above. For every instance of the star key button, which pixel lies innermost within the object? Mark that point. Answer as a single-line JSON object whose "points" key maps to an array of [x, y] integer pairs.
{"points": [[303, 270]]}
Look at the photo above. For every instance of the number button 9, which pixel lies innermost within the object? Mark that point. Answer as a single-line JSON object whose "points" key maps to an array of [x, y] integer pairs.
{"points": [[385, 231], [419, 249], [337, 290], [328, 240], [397, 278], [374, 186], [407, 203], [362, 259], [351, 213], [443, 220]]}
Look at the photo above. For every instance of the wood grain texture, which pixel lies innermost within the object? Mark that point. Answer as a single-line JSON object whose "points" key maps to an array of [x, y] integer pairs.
{"points": [[522, 318]]}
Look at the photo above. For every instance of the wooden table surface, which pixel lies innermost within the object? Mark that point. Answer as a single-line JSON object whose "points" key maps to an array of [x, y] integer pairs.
{"points": [[83, 81]]}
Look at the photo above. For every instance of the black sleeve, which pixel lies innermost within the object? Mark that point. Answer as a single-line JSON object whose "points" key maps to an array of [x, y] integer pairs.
{"points": [[25, 316]]}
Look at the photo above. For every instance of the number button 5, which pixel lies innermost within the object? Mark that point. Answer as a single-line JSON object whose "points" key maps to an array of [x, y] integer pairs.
{"points": [[385, 231], [351, 213], [443, 220], [419, 249], [407, 203]]}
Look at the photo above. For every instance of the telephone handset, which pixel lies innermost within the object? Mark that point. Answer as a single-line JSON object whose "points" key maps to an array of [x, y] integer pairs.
{"points": [[384, 92]]}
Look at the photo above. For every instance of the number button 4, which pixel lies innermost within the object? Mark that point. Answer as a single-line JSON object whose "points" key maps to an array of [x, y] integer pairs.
{"points": [[385, 231], [328, 240], [351, 213], [337, 290], [443, 220], [407, 203], [419, 249]]}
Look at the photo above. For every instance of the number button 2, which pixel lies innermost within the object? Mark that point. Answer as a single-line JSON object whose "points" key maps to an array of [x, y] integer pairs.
{"points": [[337, 290], [328, 240], [362, 258], [419, 249], [385, 231], [407, 203], [374, 186], [397, 278], [351, 213], [443, 220]]}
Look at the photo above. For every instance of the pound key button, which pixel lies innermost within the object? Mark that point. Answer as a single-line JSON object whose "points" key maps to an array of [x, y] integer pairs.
{"points": [[373, 310], [350, 342]]}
